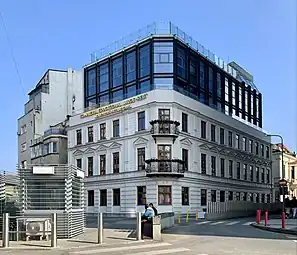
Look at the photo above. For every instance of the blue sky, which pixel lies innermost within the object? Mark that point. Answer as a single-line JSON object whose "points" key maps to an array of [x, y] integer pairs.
{"points": [[259, 35]]}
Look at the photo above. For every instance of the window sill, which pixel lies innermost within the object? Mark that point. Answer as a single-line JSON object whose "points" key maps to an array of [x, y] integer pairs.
{"points": [[114, 137], [141, 131]]}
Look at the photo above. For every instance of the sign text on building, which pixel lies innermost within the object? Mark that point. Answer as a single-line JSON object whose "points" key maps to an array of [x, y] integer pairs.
{"points": [[114, 108]]}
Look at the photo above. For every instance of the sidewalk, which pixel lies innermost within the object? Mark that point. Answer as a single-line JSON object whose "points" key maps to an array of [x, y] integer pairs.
{"points": [[275, 225], [85, 241]]}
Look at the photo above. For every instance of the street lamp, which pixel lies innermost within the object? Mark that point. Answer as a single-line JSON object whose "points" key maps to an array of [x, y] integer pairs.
{"points": [[283, 169]]}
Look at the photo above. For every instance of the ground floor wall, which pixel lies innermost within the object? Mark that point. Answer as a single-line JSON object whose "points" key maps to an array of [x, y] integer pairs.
{"points": [[127, 196]]}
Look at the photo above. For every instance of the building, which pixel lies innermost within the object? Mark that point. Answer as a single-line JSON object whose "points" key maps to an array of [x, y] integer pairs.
{"points": [[290, 166], [51, 148], [168, 122], [57, 95]]}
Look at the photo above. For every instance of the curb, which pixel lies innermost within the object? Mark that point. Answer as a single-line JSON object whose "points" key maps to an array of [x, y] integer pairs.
{"points": [[276, 230]]}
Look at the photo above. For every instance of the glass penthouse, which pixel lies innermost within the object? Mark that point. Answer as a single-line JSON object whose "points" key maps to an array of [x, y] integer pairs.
{"points": [[162, 56]]}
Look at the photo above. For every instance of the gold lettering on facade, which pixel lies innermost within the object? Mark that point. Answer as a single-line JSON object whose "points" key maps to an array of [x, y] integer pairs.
{"points": [[115, 108]]}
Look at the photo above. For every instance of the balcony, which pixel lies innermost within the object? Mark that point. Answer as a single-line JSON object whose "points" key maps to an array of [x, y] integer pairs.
{"points": [[55, 131], [165, 167], [164, 128]]}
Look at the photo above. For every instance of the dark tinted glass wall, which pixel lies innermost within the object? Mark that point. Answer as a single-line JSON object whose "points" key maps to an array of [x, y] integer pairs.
{"points": [[200, 79], [120, 76], [170, 64]]}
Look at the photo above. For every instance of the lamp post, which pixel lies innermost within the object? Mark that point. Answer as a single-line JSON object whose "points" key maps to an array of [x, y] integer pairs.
{"points": [[283, 169]]}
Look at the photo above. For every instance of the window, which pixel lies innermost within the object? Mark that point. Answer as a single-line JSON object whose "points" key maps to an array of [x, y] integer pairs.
{"points": [[230, 169], [90, 197], [245, 172], [103, 197], [164, 195], [117, 72], [262, 198], [250, 146], [213, 195], [257, 198], [116, 128], [251, 173], [257, 174], [292, 172], [262, 175], [267, 151], [185, 196], [230, 195], [78, 163], [222, 196], [222, 136], [238, 170], [184, 122], [202, 75], [140, 159], [90, 135], [213, 133], [262, 150], [55, 149], [116, 162], [185, 157], [131, 91], [222, 167], [102, 164], [237, 196], [203, 200], [116, 197], [213, 166], [141, 195], [102, 131], [164, 114], [144, 86], [130, 66], [268, 198], [141, 121], [117, 95], [104, 100], [210, 80], [78, 137], [244, 143], [230, 140], [203, 129], [91, 82], [257, 148], [144, 61], [203, 163], [237, 142], [46, 149], [219, 87], [90, 166], [103, 77], [181, 63], [244, 197], [267, 176]]}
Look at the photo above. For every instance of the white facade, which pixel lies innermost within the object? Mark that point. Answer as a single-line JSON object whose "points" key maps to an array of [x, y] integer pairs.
{"points": [[130, 139], [58, 94]]}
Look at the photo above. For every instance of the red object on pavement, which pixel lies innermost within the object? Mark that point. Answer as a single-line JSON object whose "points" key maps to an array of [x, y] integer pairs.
{"points": [[258, 216], [283, 219], [266, 218]]}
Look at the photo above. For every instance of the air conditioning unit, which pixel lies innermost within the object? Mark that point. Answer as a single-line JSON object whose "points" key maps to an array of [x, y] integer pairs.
{"points": [[38, 227]]}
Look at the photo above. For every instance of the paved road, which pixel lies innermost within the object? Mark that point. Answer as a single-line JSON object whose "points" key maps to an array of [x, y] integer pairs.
{"points": [[232, 237]]}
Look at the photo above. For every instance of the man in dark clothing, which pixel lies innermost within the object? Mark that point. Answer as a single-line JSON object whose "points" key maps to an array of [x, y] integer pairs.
{"points": [[154, 208]]}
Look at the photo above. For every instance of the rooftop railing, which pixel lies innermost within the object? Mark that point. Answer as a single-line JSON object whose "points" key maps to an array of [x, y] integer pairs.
{"points": [[166, 28], [55, 131]]}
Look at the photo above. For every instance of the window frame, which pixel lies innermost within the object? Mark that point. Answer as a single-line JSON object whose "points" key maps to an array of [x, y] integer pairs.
{"points": [[90, 134], [102, 128], [102, 164], [185, 196], [116, 128], [116, 162], [141, 121], [142, 194], [140, 156], [103, 197], [116, 197], [91, 198], [165, 193], [184, 122], [90, 165]]}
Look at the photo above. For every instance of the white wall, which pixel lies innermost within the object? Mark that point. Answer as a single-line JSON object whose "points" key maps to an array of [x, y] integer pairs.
{"points": [[130, 139]]}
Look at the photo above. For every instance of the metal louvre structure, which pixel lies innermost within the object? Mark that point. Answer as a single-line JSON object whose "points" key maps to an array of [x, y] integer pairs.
{"points": [[54, 188]]}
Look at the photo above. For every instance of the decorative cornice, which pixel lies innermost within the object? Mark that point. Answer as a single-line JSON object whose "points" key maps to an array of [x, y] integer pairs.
{"points": [[115, 145], [140, 140], [186, 141]]}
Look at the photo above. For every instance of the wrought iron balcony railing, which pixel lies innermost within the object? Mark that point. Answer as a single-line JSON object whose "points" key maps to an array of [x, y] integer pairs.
{"points": [[165, 128], [165, 167]]}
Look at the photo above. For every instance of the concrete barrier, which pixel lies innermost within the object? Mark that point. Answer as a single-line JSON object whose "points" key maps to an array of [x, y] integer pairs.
{"points": [[167, 220]]}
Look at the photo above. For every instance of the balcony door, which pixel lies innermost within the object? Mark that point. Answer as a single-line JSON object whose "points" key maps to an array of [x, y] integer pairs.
{"points": [[164, 114], [164, 154]]}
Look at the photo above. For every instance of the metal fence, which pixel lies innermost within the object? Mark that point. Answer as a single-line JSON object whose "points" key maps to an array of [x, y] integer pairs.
{"points": [[54, 188]]}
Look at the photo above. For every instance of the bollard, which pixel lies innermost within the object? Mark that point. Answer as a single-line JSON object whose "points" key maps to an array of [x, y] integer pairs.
{"points": [[187, 217], [266, 218], [283, 219], [5, 230], [138, 227], [196, 215], [100, 228], [54, 230], [178, 218]]}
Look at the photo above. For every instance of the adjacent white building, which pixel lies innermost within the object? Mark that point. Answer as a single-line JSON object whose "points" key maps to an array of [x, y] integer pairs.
{"points": [[203, 155], [56, 96]]}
